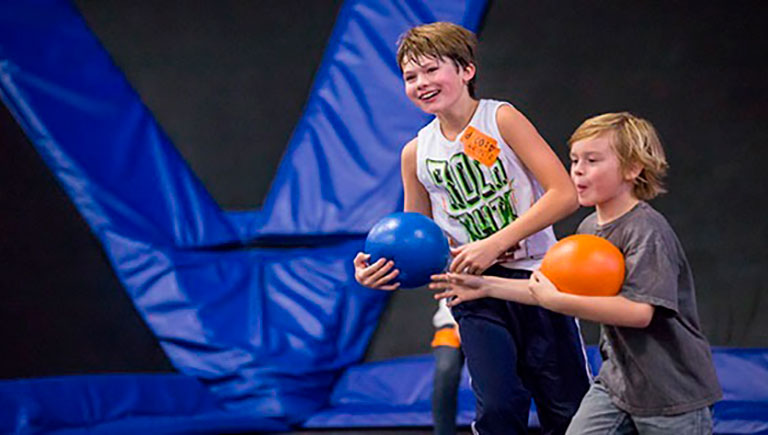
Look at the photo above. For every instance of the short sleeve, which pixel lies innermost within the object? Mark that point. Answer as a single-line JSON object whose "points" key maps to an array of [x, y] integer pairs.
{"points": [[652, 272]]}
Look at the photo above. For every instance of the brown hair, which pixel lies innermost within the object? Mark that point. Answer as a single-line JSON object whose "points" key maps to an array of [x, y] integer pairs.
{"points": [[437, 41], [635, 142]]}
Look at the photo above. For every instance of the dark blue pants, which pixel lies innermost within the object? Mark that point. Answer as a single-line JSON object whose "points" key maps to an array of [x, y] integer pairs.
{"points": [[516, 352]]}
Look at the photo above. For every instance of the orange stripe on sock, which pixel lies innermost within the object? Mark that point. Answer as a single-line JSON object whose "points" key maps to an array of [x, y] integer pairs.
{"points": [[446, 337]]}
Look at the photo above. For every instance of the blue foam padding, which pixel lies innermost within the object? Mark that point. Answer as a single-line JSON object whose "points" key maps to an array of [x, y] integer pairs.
{"points": [[119, 404], [397, 393], [266, 330]]}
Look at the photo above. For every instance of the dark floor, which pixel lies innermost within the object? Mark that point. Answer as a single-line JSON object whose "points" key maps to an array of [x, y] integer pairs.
{"points": [[382, 431], [387, 431]]}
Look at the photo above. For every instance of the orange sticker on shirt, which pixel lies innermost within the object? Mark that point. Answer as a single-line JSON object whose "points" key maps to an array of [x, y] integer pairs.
{"points": [[480, 146]]}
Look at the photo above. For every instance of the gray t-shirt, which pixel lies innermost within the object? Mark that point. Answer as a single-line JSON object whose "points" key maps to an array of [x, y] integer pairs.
{"points": [[665, 368]]}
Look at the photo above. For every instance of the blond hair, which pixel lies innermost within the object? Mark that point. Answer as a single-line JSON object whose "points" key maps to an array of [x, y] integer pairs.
{"points": [[636, 143], [437, 41]]}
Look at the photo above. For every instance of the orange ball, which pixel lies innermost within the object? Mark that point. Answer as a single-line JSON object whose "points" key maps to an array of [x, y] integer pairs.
{"points": [[584, 265]]}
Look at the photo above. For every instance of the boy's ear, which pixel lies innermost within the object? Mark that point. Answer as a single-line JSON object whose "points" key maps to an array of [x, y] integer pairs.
{"points": [[633, 171], [469, 72]]}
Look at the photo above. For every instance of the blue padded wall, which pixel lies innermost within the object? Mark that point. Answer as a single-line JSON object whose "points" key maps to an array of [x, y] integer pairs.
{"points": [[268, 331]]}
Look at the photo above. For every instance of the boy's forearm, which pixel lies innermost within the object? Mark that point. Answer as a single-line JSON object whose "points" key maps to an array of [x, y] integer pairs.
{"points": [[609, 310], [515, 290]]}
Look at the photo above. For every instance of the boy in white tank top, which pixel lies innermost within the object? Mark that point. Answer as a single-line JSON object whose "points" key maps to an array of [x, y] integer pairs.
{"points": [[490, 181], [471, 200]]}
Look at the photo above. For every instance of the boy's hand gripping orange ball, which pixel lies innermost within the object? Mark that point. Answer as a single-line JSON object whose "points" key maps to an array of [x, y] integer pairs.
{"points": [[584, 265]]}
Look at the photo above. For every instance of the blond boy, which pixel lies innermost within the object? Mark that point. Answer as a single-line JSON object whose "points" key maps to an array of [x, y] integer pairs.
{"points": [[657, 375]]}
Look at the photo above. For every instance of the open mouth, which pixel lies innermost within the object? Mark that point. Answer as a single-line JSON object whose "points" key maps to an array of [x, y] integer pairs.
{"points": [[428, 95]]}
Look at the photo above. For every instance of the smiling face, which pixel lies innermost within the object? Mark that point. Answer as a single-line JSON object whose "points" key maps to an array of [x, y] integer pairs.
{"points": [[597, 173], [434, 85]]}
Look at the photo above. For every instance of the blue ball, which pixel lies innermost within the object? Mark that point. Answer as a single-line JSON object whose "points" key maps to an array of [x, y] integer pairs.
{"points": [[414, 242]]}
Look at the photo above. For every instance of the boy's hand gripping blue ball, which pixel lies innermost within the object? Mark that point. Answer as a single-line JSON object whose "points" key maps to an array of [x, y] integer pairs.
{"points": [[414, 242]]}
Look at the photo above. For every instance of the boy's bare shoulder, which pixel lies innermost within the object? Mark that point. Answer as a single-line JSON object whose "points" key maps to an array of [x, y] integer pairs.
{"points": [[513, 125], [507, 113], [409, 150]]}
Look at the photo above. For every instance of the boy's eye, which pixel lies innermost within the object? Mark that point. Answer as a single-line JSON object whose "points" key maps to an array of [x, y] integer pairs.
{"points": [[432, 69]]}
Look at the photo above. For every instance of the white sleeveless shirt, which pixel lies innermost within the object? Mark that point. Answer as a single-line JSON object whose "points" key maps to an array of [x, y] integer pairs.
{"points": [[471, 201]]}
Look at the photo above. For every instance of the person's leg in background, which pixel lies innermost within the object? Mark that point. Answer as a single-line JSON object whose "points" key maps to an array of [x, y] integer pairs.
{"points": [[448, 362]]}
